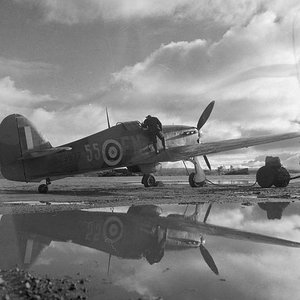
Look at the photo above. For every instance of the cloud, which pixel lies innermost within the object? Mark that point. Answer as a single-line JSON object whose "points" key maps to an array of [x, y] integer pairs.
{"points": [[229, 218], [258, 265], [253, 82], [13, 98], [237, 57], [17, 68], [289, 160], [65, 126], [76, 11], [131, 284], [57, 124]]}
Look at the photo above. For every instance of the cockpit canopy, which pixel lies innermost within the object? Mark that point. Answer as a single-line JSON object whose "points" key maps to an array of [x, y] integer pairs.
{"points": [[131, 125]]}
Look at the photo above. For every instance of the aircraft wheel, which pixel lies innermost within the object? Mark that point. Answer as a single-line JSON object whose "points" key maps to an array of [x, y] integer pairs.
{"points": [[149, 180], [283, 177], [192, 181], [43, 189], [266, 176]]}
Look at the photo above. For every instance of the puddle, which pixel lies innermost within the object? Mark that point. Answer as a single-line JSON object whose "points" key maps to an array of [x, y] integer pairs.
{"points": [[32, 203], [149, 252]]}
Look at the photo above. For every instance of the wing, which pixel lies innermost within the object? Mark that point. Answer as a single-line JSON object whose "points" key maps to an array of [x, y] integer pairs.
{"points": [[215, 147], [185, 152], [208, 229]]}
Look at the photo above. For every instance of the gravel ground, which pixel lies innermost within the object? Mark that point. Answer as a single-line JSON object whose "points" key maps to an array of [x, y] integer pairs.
{"points": [[19, 284], [83, 192]]}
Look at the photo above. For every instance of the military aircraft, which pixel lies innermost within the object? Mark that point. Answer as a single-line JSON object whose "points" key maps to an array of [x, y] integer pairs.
{"points": [[140, 233], [26, 156]]}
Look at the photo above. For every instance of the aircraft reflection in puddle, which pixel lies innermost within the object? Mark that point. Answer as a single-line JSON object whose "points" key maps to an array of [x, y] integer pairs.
{"points": [[140, 232]]}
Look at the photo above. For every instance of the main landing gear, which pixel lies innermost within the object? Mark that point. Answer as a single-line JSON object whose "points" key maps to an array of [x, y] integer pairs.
{"points": [[197, 178], [43, 188]]}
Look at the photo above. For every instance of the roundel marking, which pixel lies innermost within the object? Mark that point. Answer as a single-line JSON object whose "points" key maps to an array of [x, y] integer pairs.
{"points": [[112, 152], [112, 229]]}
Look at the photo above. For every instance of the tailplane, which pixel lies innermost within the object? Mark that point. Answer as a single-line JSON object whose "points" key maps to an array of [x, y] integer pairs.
{"points": [[18, 138]]}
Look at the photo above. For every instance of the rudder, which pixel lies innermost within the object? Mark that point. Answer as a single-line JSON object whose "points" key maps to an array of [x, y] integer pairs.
{"points": [[18, 136]]}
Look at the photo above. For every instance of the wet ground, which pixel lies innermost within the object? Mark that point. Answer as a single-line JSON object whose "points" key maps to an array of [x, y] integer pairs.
{"points": [[89, 192], [83, 231]]}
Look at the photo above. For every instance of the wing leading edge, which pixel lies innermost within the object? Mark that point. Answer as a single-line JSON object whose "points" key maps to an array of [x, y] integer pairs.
{"points": [[188, 151], [185, 152]]}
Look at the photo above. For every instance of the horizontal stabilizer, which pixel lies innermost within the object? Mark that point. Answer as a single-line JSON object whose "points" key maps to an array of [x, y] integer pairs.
{"points": [[31, 154]]}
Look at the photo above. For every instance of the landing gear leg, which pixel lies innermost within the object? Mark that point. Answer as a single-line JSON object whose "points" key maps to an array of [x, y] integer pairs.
{"points": [[197, 178], [43, 188], [148, 180]]}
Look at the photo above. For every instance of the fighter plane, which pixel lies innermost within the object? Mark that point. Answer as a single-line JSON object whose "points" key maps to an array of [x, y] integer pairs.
{"points": [[140, 233], [26, 156]]}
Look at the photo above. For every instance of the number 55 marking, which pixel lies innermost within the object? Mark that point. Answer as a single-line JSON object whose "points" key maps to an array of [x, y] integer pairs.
{"points": [[92, 152]]}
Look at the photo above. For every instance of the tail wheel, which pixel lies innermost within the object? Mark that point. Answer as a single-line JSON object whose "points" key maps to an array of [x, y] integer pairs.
{"points": [[266, 176], [192, 181], [149, 180], [283, 178], [43, 189]]}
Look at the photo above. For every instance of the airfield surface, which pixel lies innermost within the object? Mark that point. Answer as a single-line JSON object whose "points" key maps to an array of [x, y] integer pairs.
{"points": [[93, 192], [74, 251]]}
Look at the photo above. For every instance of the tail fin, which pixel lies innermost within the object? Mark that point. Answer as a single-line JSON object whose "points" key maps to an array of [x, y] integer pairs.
{"points": [[17, 137], [19, 245]]}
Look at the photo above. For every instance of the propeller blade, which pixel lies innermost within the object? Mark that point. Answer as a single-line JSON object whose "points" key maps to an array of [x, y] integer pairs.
{"points": [[207, 213], [208, 259], [207, 162], [205, 115]]}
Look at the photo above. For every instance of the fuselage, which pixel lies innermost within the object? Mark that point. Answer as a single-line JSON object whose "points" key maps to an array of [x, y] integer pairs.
{"points": [[119, 146]]}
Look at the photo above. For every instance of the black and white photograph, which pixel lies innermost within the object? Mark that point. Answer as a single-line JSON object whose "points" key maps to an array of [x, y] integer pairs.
{"points": [[149, 150]]}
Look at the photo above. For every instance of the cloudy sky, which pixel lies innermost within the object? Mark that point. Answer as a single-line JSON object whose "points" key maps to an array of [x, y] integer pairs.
{"points": [[63, 62]]}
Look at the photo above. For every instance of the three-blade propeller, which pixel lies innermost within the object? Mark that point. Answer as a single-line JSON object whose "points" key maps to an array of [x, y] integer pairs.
{"points": [[202, 120]]}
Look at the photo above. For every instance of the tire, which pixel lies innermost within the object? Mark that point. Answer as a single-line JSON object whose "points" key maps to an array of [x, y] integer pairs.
{"points": [[192, 181], [149, 180], [43, 189], [266, 176], [283, 178]]}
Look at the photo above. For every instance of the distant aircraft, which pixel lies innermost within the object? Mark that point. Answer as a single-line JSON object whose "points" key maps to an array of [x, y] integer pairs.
{"points": [[26, 156], [139, 233]]}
